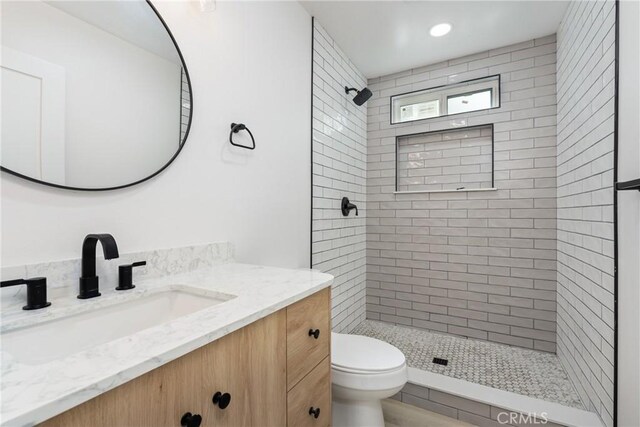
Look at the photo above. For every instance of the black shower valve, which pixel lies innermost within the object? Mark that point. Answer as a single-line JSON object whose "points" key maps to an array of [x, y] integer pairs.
{"points": [[347, 206]]}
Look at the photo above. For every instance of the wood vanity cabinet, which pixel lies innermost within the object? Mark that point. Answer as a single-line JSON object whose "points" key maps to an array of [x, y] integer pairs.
{"points": [[275, 370]]}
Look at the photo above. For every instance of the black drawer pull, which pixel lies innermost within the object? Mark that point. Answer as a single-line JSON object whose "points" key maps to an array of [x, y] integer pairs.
{"points": [[314, 333], [315, 413], [190, 420], [221, 399]]}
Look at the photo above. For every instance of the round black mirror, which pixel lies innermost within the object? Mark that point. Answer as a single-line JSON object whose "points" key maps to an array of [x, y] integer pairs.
{"points": [[95, 95]]}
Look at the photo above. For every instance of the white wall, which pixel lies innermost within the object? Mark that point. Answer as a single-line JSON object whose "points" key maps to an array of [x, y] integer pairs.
{"points": [[629, 217], [122, 107], [248, 62]]}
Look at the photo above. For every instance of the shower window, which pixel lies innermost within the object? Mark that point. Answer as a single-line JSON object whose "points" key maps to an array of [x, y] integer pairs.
{"points": [[420, 110], [448, 160], [472, 101], [463, 97]]}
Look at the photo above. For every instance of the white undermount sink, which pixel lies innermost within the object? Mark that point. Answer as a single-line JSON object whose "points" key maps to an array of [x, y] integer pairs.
{"points": [[56, 339]]}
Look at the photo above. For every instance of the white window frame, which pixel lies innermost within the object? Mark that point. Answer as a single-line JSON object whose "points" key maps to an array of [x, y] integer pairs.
{"points": [[442, 93]]}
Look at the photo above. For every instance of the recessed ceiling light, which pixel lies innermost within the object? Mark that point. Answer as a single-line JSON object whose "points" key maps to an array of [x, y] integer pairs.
{"points": [[440, 29]]}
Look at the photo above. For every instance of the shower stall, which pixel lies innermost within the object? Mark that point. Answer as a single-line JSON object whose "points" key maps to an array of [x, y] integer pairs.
{"points": [[484, 247]]}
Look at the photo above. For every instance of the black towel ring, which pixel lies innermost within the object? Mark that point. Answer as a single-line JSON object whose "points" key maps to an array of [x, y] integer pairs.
{"points": [[237, 127]]}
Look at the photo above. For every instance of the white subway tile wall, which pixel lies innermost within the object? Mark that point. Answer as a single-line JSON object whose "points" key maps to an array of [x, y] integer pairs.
{"points": [[446, 160], [339, 170], [586, 85], [475, 264]]}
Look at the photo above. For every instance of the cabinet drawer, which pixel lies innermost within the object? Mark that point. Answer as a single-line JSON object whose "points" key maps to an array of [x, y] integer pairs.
{"points": [[305, 349], [313, 393]]}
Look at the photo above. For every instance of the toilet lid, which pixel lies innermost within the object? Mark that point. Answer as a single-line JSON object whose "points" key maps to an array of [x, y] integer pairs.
{"points": [[363, 354]]}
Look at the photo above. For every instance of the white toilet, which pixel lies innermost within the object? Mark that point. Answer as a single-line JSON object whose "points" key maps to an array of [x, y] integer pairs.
{"points": [[363, 372]]}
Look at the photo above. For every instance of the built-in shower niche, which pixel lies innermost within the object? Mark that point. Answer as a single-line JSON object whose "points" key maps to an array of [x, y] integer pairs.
{"points": [[447, 160]]}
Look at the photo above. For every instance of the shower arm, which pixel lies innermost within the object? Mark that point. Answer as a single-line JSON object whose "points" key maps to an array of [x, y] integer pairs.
{"points": [[348, 89]]}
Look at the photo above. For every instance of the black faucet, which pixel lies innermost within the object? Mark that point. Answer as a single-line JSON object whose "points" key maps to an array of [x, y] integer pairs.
{"points": [[89, 280], [346, 207], [36, 291]]}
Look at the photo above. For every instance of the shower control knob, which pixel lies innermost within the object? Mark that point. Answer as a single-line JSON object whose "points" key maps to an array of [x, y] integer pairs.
{"points": [[315, 413], [314, 333], [190, 420], [221, 399]]}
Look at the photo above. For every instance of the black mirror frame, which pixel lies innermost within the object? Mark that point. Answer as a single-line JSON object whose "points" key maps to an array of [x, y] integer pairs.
{"points": [[166, 165]]}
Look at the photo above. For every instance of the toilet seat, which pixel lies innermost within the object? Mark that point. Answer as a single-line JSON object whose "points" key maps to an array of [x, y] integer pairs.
{"points": [[366, 364], [364, 355]]}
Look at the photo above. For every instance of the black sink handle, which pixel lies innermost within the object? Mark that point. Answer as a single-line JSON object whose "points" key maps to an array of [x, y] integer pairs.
{"points": [[36, 291]]}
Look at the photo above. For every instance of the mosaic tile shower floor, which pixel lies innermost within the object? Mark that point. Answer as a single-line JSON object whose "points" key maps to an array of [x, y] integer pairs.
{"points": [[527, 372]]}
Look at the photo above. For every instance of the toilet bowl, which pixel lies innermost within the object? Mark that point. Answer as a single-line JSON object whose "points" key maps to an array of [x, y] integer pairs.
{"points": [[363, 372]]}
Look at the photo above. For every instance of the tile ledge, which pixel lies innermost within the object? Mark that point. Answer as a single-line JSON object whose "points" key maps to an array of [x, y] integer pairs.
{"points": [[556, 413], [468, 190]]}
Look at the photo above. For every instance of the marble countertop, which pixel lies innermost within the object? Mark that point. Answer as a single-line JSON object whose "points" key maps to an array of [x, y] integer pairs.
{"points": [[33, 393]]}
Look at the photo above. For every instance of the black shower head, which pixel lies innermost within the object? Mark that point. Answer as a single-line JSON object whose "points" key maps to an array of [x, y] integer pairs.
{"points": [[362, 96]]}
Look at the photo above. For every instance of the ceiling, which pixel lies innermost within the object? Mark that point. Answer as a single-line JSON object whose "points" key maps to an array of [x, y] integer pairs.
{"points": [[384, 37], [132, 21]]}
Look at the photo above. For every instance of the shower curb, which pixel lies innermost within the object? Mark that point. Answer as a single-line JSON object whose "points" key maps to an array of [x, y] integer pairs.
{"points": [[482, 405]]}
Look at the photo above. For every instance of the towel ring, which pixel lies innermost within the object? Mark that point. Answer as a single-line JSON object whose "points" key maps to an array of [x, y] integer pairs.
{"points": [[237, 127]]}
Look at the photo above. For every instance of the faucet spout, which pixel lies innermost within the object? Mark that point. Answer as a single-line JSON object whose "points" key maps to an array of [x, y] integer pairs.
{"points": [[109, 247], [89, 280]]}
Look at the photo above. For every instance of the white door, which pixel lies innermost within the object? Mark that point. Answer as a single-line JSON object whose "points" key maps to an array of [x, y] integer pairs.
{"points": [[21, 131], [32, 116], [629, 216]]}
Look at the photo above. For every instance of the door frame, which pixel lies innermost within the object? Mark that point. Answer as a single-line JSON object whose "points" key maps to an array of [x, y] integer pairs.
{"points": [[615, 213], [631, 414], [52, 115]]}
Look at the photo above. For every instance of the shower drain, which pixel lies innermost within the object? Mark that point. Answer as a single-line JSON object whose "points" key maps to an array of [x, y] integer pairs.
{"points": [[439, 361]]}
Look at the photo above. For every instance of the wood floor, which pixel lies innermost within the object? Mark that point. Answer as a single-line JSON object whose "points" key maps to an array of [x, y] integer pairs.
{"points": [[398, 414]]}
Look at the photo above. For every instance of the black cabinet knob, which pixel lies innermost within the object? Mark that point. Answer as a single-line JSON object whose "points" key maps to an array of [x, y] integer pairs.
{"points": [[190, 420], [315, 413], [221, 399], [314, 333]]}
